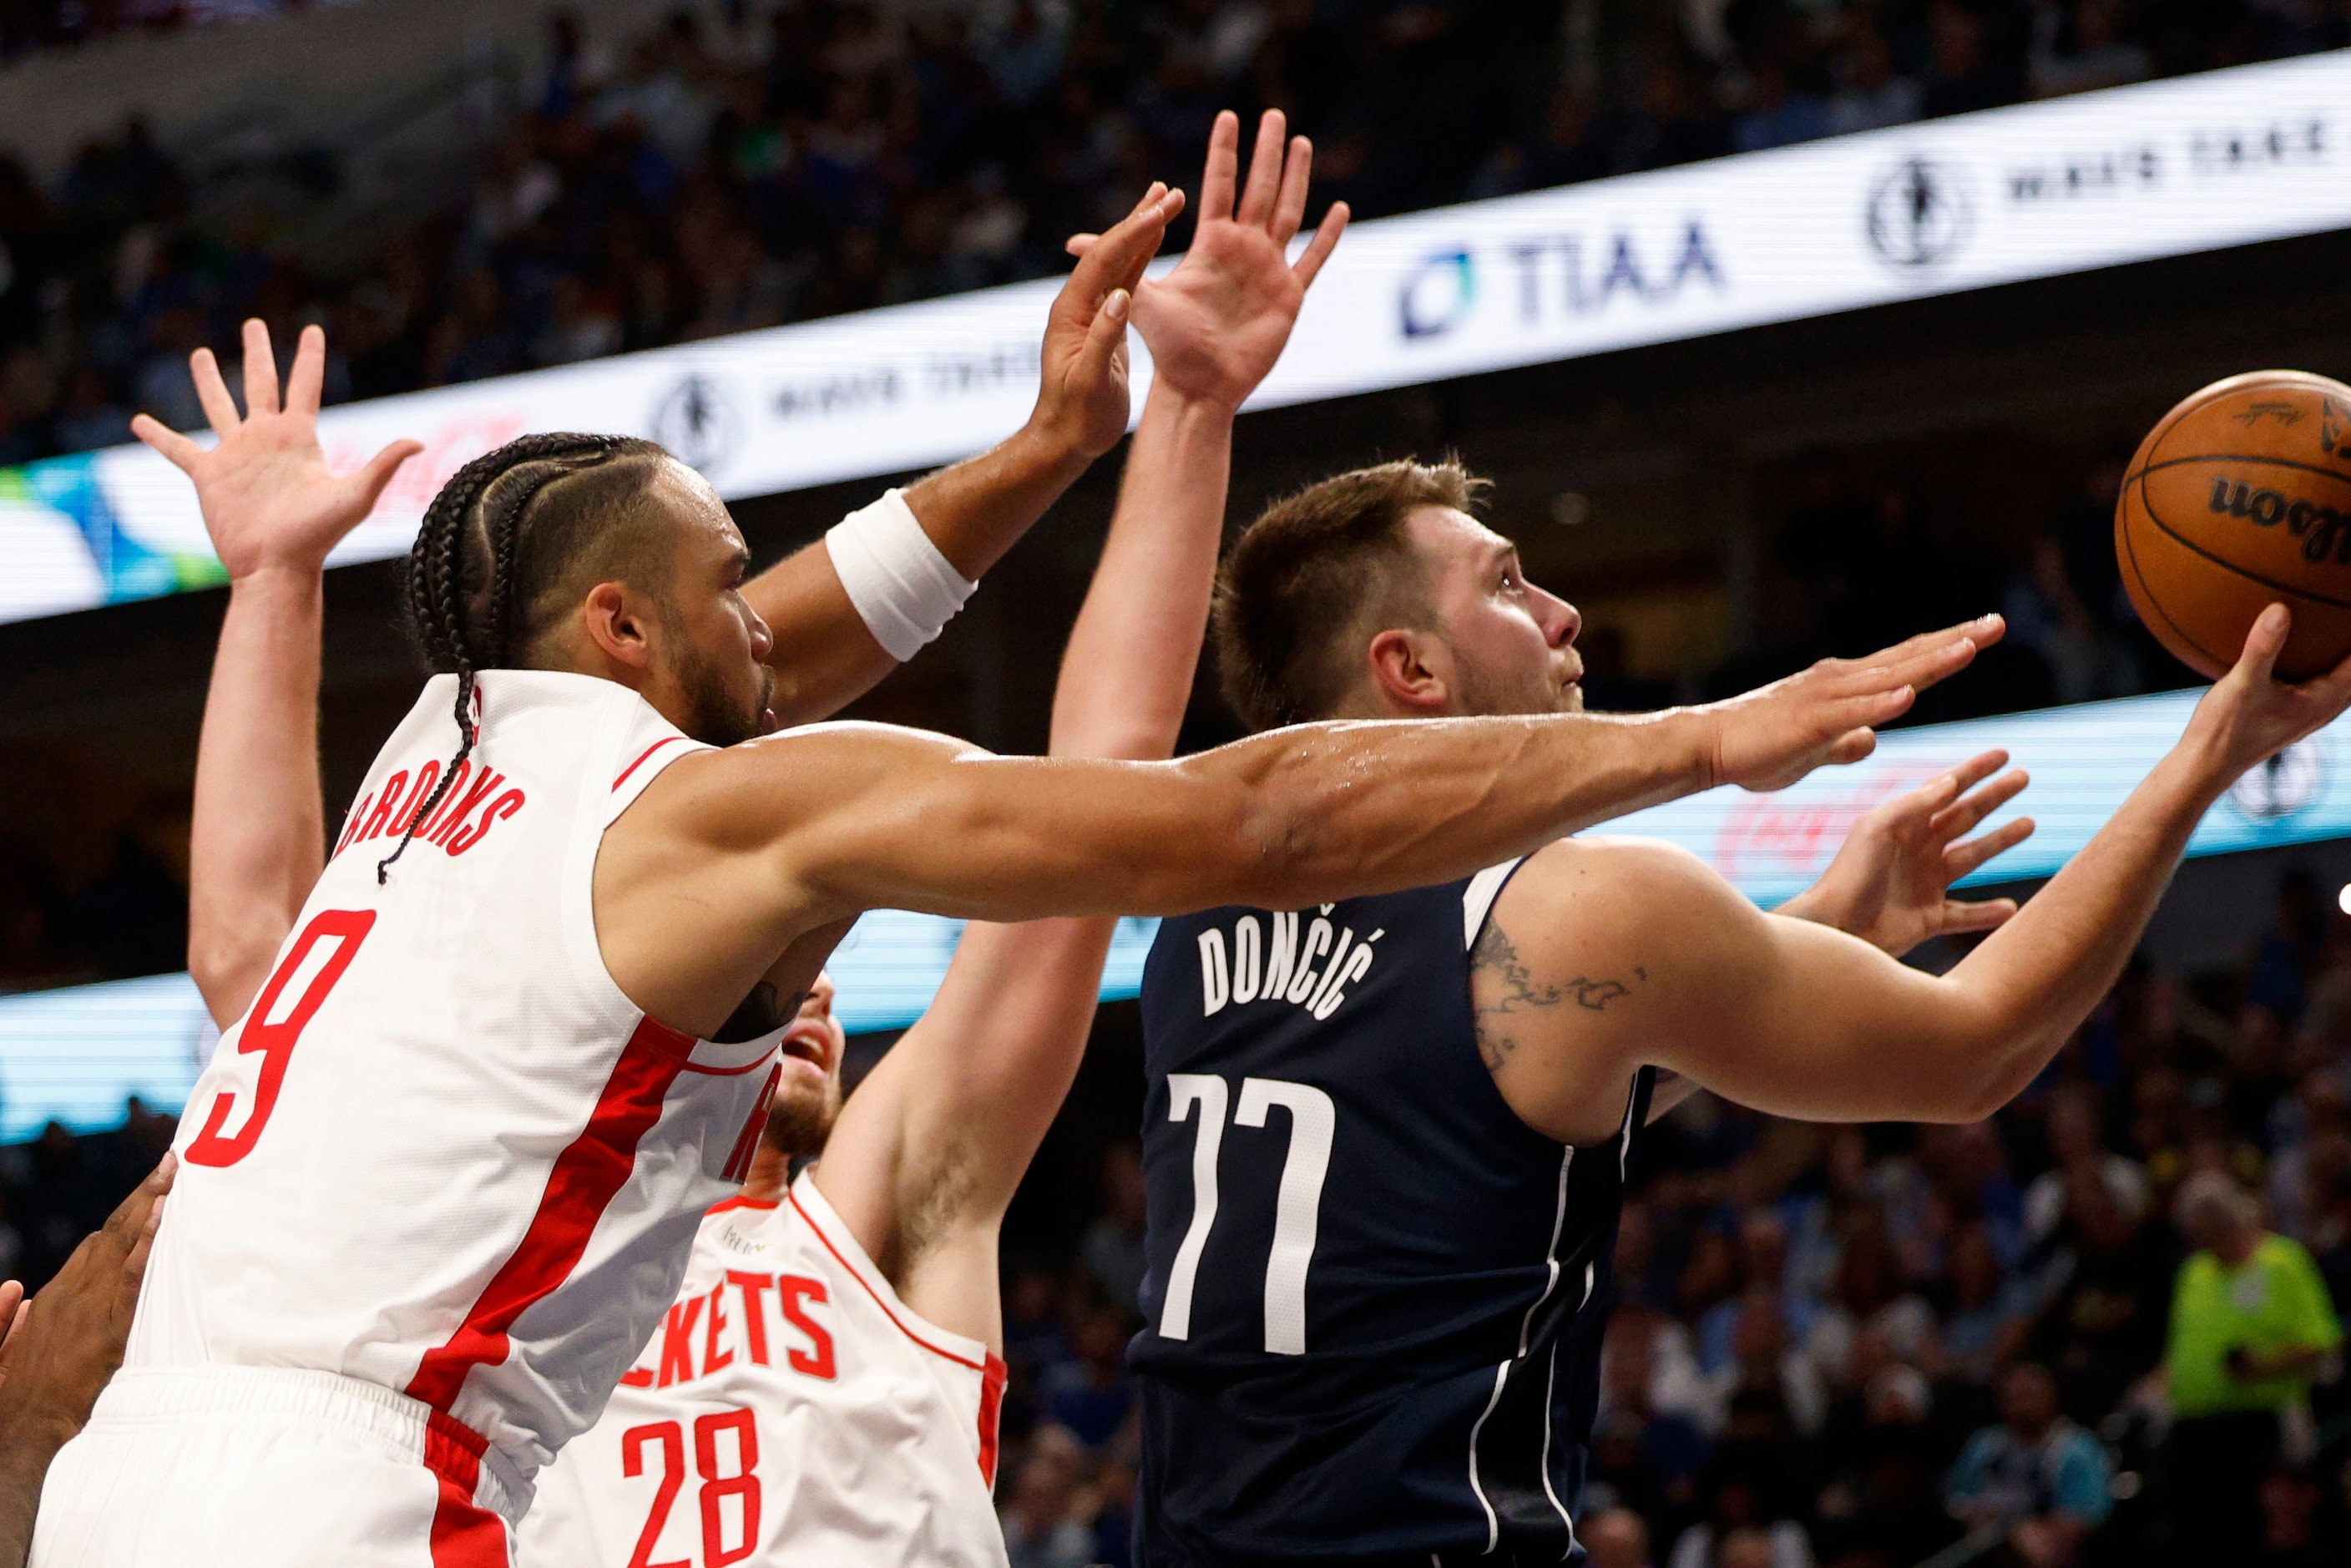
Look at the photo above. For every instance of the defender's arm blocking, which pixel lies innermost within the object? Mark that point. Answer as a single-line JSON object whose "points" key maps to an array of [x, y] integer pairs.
{"points": [[825, 655]]}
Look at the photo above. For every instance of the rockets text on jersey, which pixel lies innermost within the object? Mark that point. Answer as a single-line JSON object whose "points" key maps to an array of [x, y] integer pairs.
{"points": [[790, 1410]]}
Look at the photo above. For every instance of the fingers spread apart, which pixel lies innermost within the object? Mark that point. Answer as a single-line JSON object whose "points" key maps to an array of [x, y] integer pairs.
{"points": [[1262, 196], [182, 451], [309, 374], [213, 392], [1965, 859], [1961, 914], [260, 370]]}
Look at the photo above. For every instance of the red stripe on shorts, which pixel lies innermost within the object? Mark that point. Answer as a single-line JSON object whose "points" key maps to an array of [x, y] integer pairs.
{"points": [[464, 1534], [587, 1175]]}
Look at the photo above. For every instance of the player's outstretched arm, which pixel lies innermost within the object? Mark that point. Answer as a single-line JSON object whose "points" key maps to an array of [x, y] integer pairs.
{"points": [[1627, 953], [793, 833], [61, 1349], [931, 1147], [825, 655], [1890, 883], [273, 509]]}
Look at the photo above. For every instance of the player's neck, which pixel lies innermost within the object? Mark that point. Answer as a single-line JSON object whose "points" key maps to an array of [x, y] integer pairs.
{"points": [[771, 1174]]}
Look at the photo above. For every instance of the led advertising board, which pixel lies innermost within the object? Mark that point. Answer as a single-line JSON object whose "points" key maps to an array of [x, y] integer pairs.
{"points": [[2130, 174]]}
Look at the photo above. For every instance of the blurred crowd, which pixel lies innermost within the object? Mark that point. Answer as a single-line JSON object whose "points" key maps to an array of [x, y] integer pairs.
{"points": [[125, 915], [26, 26], [1864, 560], [768, 163]]}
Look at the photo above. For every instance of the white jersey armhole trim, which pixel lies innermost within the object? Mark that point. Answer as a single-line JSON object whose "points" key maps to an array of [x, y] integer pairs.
{"points": [[833, 1233], [1478, 898], [620, 779]]}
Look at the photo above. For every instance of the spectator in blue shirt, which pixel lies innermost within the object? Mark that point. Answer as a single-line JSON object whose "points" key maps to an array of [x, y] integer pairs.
{"points": [[2037, 1480]]}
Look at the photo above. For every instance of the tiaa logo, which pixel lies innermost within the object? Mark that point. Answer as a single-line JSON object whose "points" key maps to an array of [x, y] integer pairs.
{"points": [[1437, 293]]}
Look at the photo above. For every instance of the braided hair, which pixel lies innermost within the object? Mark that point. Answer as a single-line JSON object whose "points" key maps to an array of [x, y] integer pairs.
{"points": [[502, 532]]}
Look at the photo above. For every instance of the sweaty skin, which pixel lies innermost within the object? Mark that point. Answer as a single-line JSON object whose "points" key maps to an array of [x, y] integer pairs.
{"points": [[741, 865]]}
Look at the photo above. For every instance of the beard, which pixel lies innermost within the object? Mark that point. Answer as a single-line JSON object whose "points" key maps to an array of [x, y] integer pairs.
{"points": [[714, 715], [801, 1118], [1487, 695]]}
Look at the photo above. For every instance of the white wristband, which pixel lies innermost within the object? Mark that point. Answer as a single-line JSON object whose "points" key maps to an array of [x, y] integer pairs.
{"points": [[904, 590]]}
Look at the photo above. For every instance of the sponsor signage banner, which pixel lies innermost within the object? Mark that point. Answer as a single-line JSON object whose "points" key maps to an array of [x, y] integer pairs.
{"points": [[2156, 170], [74, 1054]]}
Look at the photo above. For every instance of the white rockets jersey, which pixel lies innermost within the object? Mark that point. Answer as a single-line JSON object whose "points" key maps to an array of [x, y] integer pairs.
{"points": [[443, 1153], [791, 1411]]}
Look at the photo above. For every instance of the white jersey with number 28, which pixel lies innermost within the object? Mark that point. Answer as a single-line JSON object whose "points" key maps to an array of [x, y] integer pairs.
{"points": [[791, 1410]]}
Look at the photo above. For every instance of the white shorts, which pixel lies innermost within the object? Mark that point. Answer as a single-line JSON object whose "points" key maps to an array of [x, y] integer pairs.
{"points": [[238, 1467]]}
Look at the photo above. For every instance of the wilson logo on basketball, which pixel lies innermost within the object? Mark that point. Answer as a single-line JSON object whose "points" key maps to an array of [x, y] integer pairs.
{"points": [[2320, 528]]}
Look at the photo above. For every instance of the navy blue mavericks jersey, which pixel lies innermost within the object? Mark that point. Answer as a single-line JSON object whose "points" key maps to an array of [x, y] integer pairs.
{"points": [[1375, 1296]]}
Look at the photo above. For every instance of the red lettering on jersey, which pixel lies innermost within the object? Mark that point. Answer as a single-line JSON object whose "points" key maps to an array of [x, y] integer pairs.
{"points": [[743, 1485], [637, 1377], [818, 1360], [634, 1442], [714, 1356], [351, 823], [382, 813], [455, 792], [418, 793], [755, 1312], [677, 1342], [505, 805], [454, 810]]}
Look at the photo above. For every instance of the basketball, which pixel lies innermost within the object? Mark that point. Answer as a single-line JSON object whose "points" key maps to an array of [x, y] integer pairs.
{"points": [[2240, 497]]}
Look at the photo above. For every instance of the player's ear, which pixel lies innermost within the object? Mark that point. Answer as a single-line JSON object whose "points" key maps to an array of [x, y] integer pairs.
{"points": [[1407, 674], [619, 623]]}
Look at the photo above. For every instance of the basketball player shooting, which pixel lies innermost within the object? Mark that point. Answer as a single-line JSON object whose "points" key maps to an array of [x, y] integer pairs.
{"points": [[545, 977], [1385, 1138]]}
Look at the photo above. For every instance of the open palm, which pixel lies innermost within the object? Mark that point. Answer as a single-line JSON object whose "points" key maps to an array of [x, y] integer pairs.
{"points": [[268, 497], [1218, 321], [1890, 883]]}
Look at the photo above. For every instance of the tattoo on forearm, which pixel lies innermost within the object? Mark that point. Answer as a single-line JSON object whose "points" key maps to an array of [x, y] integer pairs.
{"points": [[1517, 993]]}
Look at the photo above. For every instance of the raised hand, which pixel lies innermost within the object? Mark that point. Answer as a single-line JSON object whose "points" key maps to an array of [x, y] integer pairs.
{"points": [[2249, 716], [1773, 736], [1890, 883], [268, 497], [1082, 395], [1218, 323]]}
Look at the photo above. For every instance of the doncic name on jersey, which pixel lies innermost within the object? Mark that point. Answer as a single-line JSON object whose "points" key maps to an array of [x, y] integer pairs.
{"points": [[1270, 961]]}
